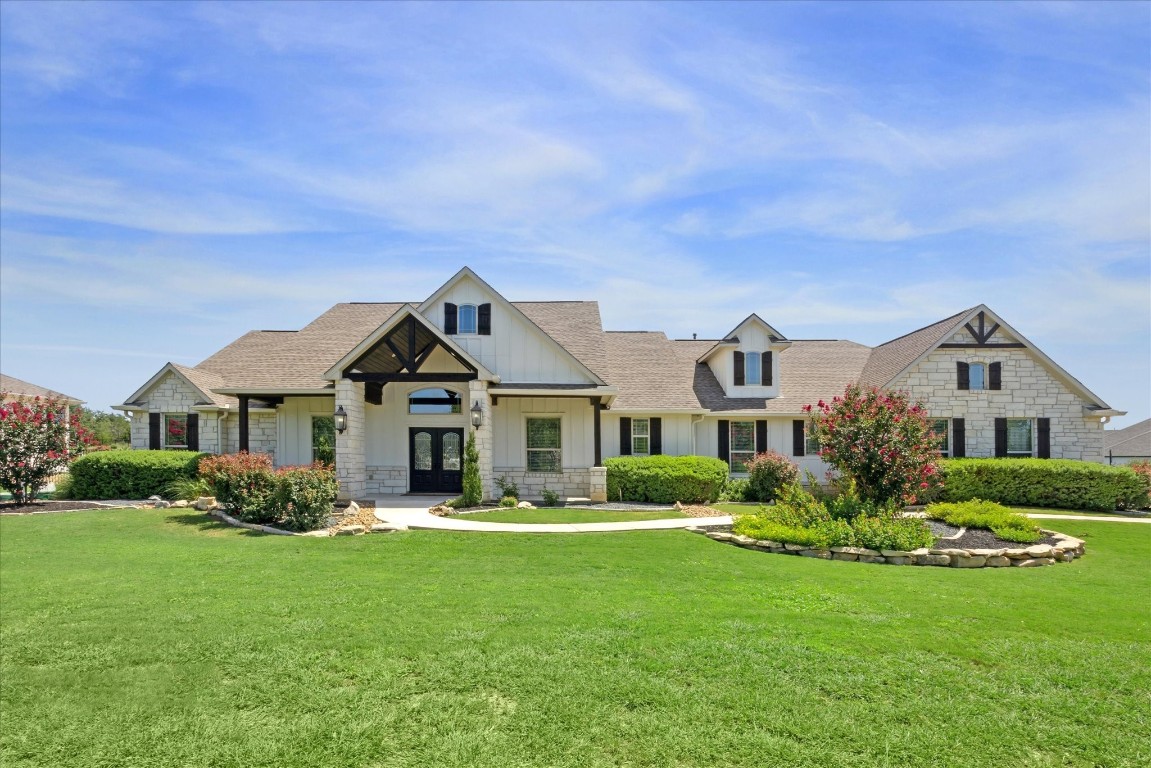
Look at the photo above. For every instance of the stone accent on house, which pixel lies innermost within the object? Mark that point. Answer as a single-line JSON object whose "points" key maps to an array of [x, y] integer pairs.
{"points": [[1028, 390], [485, 441], [171, 395], [1066, 549], [261, 433], [598, 478], [350, 468], [384, 481], [572, 483]]}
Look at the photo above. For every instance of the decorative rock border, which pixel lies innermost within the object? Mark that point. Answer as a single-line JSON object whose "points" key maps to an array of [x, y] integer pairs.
{"points": [[1064, 551], [344, 530]]}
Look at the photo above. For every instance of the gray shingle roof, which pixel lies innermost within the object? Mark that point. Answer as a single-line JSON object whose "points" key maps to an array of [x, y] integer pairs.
{"points": [[1134, 440], [13, 386], [575, 325], [888, 359]]}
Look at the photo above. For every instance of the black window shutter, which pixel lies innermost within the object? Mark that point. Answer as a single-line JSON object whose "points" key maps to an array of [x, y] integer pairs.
{"points": [[724, 438], [450, 325], [624, 436], [656, 436], [760, 435], [1001, 437], [995, 376], [1044, 438], [193, 431], [963, 373], [766, 364], [484, 324], [154, 431], [798, 445], [958, 438], [739, 369]]}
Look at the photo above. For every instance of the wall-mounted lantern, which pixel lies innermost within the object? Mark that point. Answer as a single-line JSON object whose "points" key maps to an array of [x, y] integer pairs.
{"points": [[341, 419], [477, 414]]}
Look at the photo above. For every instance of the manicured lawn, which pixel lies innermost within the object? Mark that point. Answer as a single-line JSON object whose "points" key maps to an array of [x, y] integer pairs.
{"points": [[545, 515], [161, 638]]}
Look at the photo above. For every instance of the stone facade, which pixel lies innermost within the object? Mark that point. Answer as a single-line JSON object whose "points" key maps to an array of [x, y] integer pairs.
{"points": [[573, 483], [382, 481], [351, 470], [485, 440], [1028, 390]]}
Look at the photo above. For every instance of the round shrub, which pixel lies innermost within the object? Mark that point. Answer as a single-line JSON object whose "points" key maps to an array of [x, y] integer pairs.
{"points": [[304, 496], [665, 479], [509, 501], [767, 473], [245, 484]]}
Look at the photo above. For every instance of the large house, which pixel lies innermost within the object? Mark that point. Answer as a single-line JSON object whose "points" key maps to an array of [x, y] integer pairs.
{"points": [[550, 394]]}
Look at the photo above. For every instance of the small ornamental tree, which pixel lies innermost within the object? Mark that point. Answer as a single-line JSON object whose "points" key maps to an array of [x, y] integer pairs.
{"points": [[36, 442], [879, 439], [473, 483]]}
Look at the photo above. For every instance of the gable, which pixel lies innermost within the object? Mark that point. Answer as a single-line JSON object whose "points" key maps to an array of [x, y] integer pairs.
{"points": [[171, 390], [517, 349]]}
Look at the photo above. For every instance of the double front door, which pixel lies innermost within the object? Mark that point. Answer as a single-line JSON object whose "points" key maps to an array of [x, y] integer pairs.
{"points": [[437, 459]]}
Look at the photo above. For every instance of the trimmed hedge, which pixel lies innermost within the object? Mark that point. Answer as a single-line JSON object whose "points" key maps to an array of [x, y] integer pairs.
{"points": [[130, 474], [976, 513], [665, 479], [1061, 483]]}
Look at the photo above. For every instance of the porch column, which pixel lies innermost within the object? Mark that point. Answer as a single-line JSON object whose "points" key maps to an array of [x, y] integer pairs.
{"points": [[350, 466], [485, 442], [243, 422], [597, 403]]}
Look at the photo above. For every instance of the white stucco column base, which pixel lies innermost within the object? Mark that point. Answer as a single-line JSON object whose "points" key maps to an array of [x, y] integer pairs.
{"points": [[485, 444], [598, 491], [350, 443]]}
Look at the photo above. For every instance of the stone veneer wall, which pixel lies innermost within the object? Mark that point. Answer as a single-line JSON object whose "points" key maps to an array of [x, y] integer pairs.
{"points": [[350, 468], [261, 433], [572, 483], [173, 395], [1028, 391], [382, 481]]}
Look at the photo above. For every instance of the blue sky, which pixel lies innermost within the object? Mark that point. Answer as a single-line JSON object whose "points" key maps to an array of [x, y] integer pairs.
{"points": [[175, 174]]}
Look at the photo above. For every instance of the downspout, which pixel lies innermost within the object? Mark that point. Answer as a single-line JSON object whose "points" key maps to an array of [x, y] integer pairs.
{"points": [[695, 421], [221, 434]]}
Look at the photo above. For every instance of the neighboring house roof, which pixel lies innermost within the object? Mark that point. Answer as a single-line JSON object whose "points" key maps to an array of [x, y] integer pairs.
{"points": [[10, 385], [1134, 440]]}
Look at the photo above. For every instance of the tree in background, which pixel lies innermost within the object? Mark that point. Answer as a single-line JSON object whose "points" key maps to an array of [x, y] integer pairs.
{"points": [[37, 440], [106, 428], [879, 439]]}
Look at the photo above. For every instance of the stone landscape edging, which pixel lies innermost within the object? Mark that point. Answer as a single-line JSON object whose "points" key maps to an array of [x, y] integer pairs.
{"points": [[1064, 551], [346, 530]]}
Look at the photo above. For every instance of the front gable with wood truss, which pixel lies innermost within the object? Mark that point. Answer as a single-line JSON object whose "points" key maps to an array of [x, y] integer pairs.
{"points": [[548, 394]]}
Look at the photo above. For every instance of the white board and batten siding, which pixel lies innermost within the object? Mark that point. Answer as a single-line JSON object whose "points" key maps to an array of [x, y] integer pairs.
{"points": [[294, 428], [577, 429], [388, 424], [753, 337], [516, 350], [675, 432], [779, 439]]}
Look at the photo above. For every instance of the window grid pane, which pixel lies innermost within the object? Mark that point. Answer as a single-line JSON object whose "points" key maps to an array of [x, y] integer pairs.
{"points": [[740, 459], [975, 375], [1019, 437], [543, 445], [743, 436], [423, 449], [751, 369], [940, 428], [466, 318], [543, 460], [810, 442]]}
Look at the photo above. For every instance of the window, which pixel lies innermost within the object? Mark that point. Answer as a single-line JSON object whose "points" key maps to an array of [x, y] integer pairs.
{"points": [[468, 319], [752, 369], [434, 401], [742, 444], [810, 442], [1019, 437], [940, 428], [544, 445], [324, 439], [977, 377], [175, 430], [640, 437]]}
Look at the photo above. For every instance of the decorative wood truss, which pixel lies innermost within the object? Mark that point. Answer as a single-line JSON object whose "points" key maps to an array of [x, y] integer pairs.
{"points": [[981, 336]]}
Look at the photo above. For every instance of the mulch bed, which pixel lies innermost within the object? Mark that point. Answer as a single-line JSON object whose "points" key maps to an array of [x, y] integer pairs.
{"points": [[977, 538], [12, 508]]}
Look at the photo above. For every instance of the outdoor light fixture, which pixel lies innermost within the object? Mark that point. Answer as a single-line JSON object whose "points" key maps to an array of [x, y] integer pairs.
{"points": [[477, 414], [341, 419]]}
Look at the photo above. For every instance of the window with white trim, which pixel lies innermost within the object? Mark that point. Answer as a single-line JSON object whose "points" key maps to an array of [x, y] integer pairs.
{"points": [[175, 431], [1019, 437], [752, 369], [742, 445], [810, 441], [977, 376], [640, 437], [544, 445], [467, 319], [941, 429]]}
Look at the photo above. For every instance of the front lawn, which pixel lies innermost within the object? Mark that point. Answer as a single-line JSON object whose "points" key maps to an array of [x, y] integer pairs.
{"points": [[562, 515], [163, 638]]}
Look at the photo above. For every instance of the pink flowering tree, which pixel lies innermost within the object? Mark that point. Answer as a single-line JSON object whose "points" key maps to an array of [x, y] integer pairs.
{"points": [[879, 439], [37, 440]]}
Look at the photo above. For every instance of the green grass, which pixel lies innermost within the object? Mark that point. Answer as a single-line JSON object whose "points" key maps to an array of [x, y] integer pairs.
{"points": [[548, 515], [162, 638]]}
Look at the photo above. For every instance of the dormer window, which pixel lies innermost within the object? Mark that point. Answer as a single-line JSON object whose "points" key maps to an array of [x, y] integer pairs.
{"points": [[468, 319], [753, 373], [752, 369]]}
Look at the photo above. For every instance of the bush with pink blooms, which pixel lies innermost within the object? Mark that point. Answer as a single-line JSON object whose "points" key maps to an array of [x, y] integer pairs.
{"points": [[37, 440], [880, 440]]}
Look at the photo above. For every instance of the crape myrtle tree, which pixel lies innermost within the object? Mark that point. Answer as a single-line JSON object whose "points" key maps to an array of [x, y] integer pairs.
{"points": [[880, 440], [38, 438]]}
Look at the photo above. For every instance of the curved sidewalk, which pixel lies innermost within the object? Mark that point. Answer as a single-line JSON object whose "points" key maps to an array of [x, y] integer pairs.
{"points": [[407, 511]]}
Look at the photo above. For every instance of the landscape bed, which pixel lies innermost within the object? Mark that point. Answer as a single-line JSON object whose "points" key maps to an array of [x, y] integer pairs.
{"points": [[645, 649]]}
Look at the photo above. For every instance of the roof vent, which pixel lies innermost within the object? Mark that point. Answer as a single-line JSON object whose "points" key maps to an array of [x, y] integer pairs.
{"points": [[693, 337]]}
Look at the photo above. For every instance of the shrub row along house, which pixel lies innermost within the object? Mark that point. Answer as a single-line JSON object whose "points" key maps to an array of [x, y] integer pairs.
{"points": [[550, 394]]}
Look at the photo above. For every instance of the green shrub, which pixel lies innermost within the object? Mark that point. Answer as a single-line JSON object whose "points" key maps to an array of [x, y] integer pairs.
{"points": [[509, 501], [507, 488], [187, 488], [244, 483], [304, 496], [130, 474], [976, 513], [1143, 469], [1061, 483], [473, 483], [767, 473], [550, 497], [665, 479], [891, 533]]}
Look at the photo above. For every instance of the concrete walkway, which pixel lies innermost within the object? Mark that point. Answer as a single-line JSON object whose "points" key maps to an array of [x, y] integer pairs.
{"points": [[412, 512]]}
